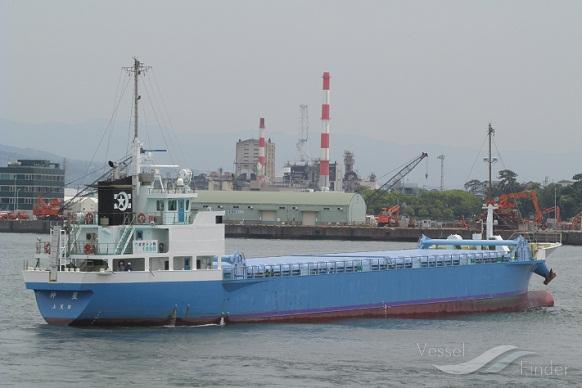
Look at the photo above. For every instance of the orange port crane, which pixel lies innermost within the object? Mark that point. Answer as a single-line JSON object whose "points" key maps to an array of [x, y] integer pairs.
{"points": [[555, 210], [395, 179], [388, 216], [43, 210], [576, 222], [507, 205], [391, 215]]}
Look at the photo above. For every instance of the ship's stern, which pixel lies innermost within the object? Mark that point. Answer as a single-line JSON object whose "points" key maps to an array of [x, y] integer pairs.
{"points": [[58, 303]]}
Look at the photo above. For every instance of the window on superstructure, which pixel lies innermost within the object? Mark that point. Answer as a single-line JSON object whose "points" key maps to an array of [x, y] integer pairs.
{"points": [[172, 205], [204, 262], [160, 205], [182, 263]]}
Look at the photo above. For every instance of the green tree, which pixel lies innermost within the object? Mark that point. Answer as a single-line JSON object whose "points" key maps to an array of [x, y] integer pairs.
{"points": [[476, 187], [508, 182]]}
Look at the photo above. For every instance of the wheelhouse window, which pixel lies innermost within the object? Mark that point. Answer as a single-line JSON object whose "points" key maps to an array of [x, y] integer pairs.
{"points": [[160, 205], [172, 205]]}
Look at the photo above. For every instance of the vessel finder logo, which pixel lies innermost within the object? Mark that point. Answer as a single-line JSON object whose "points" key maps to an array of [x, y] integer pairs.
{"points": [[491, 361], [123, 201]]}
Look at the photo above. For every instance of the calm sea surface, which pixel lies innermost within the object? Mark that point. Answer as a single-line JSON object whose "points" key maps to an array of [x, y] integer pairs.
{"points": [[374, 352]]}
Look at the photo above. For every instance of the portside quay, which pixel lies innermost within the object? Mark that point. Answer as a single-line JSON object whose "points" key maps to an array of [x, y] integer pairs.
{"points": [[299, 232], [369, 233]]}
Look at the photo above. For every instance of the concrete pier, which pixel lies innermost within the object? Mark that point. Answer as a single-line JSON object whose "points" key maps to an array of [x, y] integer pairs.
{"points": [[28, 226], [299, 232], [370, 233]]}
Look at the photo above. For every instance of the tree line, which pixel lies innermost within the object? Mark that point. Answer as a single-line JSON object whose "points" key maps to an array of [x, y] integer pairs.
{"points": [[454, 204]]}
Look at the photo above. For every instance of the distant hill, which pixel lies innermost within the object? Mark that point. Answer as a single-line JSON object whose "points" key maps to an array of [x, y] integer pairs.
{"points": [[75, 170], [200, 150]]}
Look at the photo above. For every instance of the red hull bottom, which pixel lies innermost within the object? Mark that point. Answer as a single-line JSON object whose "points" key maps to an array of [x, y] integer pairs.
{"points": [[531, 299]]}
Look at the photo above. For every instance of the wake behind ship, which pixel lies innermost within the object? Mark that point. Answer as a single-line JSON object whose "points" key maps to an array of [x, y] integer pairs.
{"points": [[147, 258]]}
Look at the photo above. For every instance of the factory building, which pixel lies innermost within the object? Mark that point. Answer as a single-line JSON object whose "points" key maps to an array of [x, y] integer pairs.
{"points": [[306, 176], [285, 207], [247, 158], [21, 182]]}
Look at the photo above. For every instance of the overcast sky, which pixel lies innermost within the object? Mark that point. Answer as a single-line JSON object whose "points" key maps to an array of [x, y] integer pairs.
{"points": [[406, 72]]}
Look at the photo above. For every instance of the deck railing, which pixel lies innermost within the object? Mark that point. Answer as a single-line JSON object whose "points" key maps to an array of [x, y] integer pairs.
{"points": [[330, 267], [165, 217], [90, 248]]}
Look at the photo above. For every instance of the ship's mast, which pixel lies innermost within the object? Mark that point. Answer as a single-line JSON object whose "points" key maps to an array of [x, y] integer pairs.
{"points": [[490, 161], [136, 70]]}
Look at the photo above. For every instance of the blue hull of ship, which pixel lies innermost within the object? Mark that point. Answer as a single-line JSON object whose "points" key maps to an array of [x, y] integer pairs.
{"points": [[408, 292]]}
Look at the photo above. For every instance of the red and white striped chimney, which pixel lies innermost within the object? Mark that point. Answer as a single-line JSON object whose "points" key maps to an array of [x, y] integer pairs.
{"points": [[324, 161], [262, 164]]}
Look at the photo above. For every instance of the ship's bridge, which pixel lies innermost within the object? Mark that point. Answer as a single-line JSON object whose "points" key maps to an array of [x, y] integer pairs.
{"points": [[167, 207], [138, 217]]}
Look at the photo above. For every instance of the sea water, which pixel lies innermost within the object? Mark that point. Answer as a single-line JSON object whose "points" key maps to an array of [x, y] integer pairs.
{"points": [[352, 352]]}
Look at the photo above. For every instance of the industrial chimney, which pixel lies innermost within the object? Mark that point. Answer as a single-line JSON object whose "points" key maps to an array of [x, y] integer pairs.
{"points": [[324, 161], [262, 163]]}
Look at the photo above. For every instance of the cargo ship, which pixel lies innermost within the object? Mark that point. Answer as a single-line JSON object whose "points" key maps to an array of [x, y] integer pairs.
{"points": [[146, 258]]}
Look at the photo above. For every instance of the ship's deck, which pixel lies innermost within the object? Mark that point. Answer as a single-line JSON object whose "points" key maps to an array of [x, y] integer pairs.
{"points": [[391, 254], [334, 263]]}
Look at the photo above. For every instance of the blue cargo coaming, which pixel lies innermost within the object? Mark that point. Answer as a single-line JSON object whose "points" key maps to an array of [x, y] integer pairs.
{"points": [[282, 297]]}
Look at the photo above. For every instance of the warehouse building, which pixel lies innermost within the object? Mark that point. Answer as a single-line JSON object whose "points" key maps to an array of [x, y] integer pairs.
{"points": [[296, 208]]}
